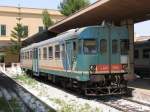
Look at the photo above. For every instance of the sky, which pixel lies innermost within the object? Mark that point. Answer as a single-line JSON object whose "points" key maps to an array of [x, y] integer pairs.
{"points": [[142, 29]]}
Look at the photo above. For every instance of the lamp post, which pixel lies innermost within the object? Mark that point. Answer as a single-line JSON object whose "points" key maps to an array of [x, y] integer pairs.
{"points": [[19, 18]]}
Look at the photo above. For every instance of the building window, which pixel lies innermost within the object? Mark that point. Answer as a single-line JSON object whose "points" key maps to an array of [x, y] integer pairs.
{"points": [[146, 53], [50, 52], [3, 30], [41, 28], [57, 51], [45, 53], [136, 54], [114, 46], [26, 30], [103, 46], [1, 58]]}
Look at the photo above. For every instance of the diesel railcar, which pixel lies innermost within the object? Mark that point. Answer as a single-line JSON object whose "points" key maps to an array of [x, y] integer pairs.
{"points": [[142, 58], [92, 59]]}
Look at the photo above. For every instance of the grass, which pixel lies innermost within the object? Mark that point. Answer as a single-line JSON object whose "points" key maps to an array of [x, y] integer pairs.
{"points": [[26, 79], [3, 105], [13, 102], [74, 107]]}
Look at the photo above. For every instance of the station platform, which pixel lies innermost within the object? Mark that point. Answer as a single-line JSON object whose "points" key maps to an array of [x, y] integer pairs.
{"points": [[140, 84], [140, 90]]}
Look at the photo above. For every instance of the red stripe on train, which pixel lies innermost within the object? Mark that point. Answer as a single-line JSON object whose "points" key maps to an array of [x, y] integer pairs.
{"points": [[106, 67]]}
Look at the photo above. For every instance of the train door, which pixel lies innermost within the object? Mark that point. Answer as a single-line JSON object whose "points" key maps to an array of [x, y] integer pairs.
{"points": [[64, 57], [114, 50], [71, 53], [35, 62], [107, 57], [68, 54], [104, 55]]}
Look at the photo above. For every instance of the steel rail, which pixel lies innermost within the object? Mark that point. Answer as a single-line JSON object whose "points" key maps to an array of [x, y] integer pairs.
{"points": [[26, 91], [126, 108], [3, 94]]}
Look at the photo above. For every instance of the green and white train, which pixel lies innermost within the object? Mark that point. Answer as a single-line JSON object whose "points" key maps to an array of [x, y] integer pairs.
{"points": [[93, 59]]}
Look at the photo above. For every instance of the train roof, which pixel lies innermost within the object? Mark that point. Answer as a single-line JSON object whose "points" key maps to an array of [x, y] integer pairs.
{"points": [[63, 36], [142, 43], [60, 38]]}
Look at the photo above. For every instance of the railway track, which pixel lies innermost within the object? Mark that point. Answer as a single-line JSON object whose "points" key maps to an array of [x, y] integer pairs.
{"points": [[126, 105], [9, 88], [13, 102], [119, 103]]}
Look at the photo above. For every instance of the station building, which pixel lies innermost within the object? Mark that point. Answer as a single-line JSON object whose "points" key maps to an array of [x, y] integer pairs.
{"points": [[31, 19]]}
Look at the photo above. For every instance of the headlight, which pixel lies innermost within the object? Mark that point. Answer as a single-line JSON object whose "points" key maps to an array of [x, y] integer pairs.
{"points": [[125, 67], [92, 68]]}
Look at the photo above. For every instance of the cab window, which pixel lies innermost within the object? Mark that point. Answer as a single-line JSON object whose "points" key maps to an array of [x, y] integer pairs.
{"points": [[89, 46], [103, 45], [146, 53], [124, 46], [136, 54], [114, 46]]}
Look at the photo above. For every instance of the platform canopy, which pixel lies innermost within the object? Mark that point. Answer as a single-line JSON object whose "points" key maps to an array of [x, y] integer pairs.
{"points": [[111, 10]]}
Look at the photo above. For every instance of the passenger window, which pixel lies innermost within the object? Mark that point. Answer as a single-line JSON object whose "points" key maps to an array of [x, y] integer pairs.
{"points": [[39, 53], [124, 46], [63, 51], [50, 51], [57, 51], [103, 46], [136, 54], [74, 48], [89, 46], [80, 46], [26, 55], [146, 53], [45, 53], [30, 54], [114, 46]]}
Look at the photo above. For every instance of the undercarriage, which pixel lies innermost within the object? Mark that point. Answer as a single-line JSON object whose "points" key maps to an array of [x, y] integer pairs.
{"points": [[113, 84]]}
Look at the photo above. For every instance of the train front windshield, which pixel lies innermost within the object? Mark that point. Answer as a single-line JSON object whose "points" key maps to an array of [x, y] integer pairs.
{"points": [[89, 46], [124, 44]]}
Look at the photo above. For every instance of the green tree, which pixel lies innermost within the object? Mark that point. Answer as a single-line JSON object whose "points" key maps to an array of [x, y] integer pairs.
{"points": [[70, 6], [18, 33], [47, 21]]}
